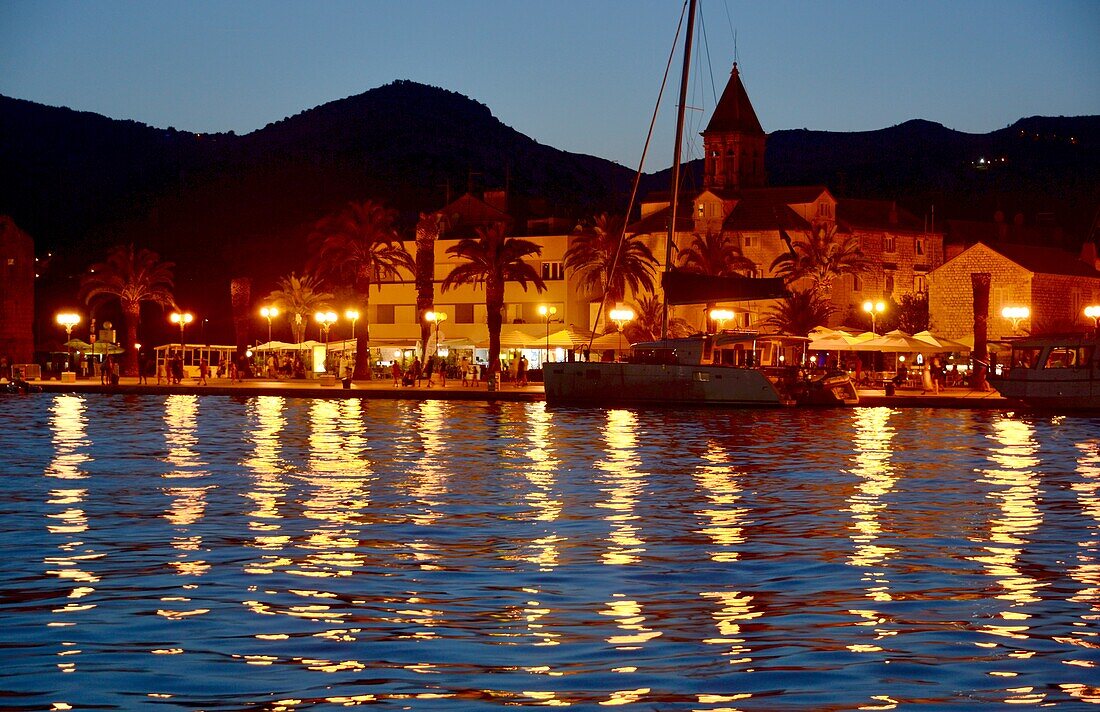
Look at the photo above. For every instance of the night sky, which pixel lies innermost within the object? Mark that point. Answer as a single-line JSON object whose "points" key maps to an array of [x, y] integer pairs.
{"points": [[578, 75]]}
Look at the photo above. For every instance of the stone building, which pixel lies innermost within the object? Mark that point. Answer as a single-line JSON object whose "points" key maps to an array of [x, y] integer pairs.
{"points": [[1054, 284], [16, 294], [764, 220]]}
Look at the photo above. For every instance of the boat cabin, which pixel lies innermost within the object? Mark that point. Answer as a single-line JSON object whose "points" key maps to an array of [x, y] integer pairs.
{"points": [[1050, 353], [738, 349]]}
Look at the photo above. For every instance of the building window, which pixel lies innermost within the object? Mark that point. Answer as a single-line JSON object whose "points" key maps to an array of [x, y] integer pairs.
{"points": [[857, 283], [920, 283], [746, 241], [464, 313], [889, 244], [553, 271], [384, 314], [920, 246], [889, 283]]}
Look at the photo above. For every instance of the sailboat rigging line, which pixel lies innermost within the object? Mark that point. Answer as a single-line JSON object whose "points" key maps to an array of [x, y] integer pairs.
{"points": [[641, 167], [710, 64], [676, 157]]}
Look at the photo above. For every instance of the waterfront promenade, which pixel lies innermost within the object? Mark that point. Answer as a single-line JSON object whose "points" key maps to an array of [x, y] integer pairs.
{"points": [[454, 390]]}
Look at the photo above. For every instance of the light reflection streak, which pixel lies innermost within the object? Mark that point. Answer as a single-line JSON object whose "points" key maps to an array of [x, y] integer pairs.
{"points": [[188, 502], [625, 487], [268, 493], [68, 520], [1087, 571], [339, 476], [541, 473], [427, 482], [725, 522], [1016, 493], [872, 465]]}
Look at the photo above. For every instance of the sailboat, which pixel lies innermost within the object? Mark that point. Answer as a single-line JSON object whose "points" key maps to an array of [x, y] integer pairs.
{"points": [[731, 368]]}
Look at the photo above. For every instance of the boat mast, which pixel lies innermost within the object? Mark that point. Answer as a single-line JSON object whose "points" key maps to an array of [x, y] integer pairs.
{"points": [[680, 107]]}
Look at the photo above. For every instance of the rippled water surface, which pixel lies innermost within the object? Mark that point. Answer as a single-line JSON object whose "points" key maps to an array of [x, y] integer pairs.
{"points": [[278, 553]]}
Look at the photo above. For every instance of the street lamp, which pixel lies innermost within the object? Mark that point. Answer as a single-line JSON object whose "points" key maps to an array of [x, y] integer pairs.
{"points": [[721, 316], [621, 315], [269, 313], [1015, 315], [1093, 312], [183, 319], [437, 318], [69, 320], [353, 316], [874, 308], [547, 313], [325, 320]]}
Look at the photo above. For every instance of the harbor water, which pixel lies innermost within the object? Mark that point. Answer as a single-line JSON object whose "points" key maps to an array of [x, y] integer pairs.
{"points": [[272, 553]]}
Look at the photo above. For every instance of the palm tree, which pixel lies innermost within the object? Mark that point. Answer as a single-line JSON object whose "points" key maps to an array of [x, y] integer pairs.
{"points": [[716, 255], [821, 258], [799, 312], [133, 277], [646, 325], [427, 232], [592, 255], [298, 298], [359, 246], [494, 259]]}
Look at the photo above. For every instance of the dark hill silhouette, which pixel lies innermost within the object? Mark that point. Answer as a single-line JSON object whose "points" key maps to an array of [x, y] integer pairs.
{"points": [[220, 205]]}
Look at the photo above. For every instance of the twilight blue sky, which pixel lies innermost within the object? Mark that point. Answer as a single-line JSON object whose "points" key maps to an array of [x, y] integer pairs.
{"points": [[581, 75]]}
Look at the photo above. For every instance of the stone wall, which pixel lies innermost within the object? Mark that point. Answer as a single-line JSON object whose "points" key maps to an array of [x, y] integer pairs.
{"points": [[951, 297]]}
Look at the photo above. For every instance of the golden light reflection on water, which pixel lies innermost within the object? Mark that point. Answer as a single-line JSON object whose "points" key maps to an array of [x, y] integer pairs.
{"points": [[340, 480], [1015, 492], [67, 521], [624, 486], [542, 475], [725, 521], [872, 465], [1084, 636], [426, 483], [188, 501], [266, 423]]}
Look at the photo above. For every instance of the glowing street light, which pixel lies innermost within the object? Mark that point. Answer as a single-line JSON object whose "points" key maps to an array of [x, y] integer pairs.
{"points": [[352, 315], [621, 315], [68, 320], [269, 313], [874, 308], [547, 313], [1015, 315], [183, 319], [437, 318], [1092, 311], [325, 320], [721, 316]]}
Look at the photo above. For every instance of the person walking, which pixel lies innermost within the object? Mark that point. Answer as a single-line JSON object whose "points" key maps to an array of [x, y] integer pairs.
{"points": [[464, 364], [143, 370], [416, 371], [204, 371], [395, 369], [521, 372], [429, 369]]}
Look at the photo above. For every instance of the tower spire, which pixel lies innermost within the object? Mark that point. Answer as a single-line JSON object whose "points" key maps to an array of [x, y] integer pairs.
{"points": [[734, 140]]}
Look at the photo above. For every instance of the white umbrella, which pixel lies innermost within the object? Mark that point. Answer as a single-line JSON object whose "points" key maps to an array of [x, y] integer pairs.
{"points": [[945, 343], [898, 342]]}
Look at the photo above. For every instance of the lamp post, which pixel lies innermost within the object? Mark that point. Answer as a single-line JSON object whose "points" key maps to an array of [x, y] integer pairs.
{"points": [[621, 315], [1015, 315], [68, 320], [721, 316], [1093, 312], [353, 316], [325, 320], [183, 319], [437, 318], [874, 308], [269, 313], [547, 313]]}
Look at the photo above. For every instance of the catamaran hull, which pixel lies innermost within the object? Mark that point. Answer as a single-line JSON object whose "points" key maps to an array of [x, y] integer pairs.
{"points": [[662, 384]]}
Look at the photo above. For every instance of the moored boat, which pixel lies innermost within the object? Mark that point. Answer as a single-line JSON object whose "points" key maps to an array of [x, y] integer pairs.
{"points": [[1057, 372], [726, 369]]}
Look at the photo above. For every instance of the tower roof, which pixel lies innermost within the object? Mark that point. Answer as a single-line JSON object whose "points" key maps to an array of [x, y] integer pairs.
{"points": [[734, 113]]}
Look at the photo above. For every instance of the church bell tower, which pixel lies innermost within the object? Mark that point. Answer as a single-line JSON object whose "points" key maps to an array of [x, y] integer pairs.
{"points": [[734, 141]]}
